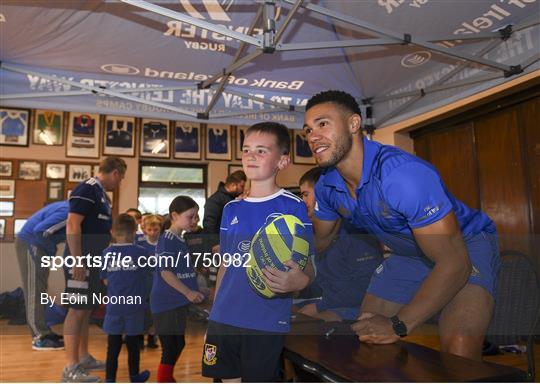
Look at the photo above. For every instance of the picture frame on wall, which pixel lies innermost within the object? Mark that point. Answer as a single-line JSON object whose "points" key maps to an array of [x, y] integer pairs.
{"points": [[218, 142], [83, 135], [154, 140], [2, 228], [6, 168], [14, 127], [187, 140], [29, 170], [79, 172], [55, 190], [119, 136], [95, 170], [234, 168], [7, 208], [55, 171], [301, 152], [239, 141], [48, 128], [7, 189], [18, 224]]}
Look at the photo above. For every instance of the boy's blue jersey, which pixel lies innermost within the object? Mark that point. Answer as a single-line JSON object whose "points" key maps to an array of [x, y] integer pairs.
{"points": [[90, 200], [47, 227], [397, 193], [236, 302], [171, 250], [124, 281]]}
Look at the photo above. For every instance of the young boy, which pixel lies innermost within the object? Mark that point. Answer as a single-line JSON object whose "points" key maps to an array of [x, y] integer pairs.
{"points": [[123, 276], [246, 332], [151, 226]]}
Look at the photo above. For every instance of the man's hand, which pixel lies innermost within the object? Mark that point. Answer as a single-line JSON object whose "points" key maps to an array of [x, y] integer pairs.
{"points": [[195, 297], [79, 273], [375, 329], [283, 282]]}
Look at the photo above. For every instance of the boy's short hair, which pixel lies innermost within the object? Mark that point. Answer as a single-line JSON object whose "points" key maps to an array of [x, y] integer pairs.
{"points": [[181, 204], [124, 224], [138, 214], [281, 132], [149, 220], [236, 177], [109, 164], [340, 98], [311, 176]]}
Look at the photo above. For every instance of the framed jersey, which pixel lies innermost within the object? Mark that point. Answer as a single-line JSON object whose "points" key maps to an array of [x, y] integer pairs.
{"points": [[301, 152], [14, 126], [218, 142], [239, 142], [119, 136], [187, 140], [83, 135], [155, 138], [48, 128]]}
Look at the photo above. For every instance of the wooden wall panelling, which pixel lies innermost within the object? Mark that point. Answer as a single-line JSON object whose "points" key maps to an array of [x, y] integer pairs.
{"points": [[502, 182]]}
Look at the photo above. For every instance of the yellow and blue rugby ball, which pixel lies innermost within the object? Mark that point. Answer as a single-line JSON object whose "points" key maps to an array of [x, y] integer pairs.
{"points": [[281, 238]]}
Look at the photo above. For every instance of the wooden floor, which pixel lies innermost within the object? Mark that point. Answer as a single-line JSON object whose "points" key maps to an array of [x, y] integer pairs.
{"points": [[19, 363]]}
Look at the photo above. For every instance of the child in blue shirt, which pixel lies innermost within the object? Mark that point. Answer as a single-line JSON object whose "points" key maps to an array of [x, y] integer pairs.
{"points": [[174, 286], [246, 331], [125, 310]]}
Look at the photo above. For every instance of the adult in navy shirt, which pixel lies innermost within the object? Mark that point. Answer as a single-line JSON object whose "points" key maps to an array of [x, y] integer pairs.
{"points": [[444, 254], [39, 237], [88, 233]]}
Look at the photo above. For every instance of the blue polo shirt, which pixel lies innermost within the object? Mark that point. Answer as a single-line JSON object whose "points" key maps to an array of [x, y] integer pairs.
{"points": [[47, 227], [164, 297], [397, 193], [124, 279], [89, 200]]}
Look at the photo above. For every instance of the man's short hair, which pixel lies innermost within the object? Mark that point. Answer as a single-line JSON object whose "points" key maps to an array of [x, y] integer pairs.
{"points": [[109, 164], [138, 214], [340, 98], [236, 177], [311, 176], [124, 224], [281, 133]]}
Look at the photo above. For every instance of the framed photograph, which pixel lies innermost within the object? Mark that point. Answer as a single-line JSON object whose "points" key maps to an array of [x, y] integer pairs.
{"points": [[234, 168], [301, 152], [17, 226], [83, 135], [119, 136], [48, 128], [95, 170], [55, 171], [218, 142], [240, 134], [29, 170], [155, 138], [187, 140], [14, 127], [7, 208], [55, 190], [79, 172], [7, 189], [6, 168], [2, 228]]}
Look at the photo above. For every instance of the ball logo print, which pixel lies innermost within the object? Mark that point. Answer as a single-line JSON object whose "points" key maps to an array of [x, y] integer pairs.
{"points": [[416, 59], [120, 69], [279, 239]]}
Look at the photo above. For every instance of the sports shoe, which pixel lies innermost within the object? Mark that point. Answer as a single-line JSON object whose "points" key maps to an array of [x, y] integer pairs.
{"points": [[140, 377], [89, 363], [77, 374], [45, 343], [55, 336]]}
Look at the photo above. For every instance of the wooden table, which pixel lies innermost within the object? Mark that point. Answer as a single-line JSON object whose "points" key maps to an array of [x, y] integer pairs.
{"points": [[331, 352]]}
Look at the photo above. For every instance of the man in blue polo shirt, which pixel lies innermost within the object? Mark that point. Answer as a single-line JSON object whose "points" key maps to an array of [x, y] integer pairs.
{"points": [[444, 254], [88, 233], [39, 237]]}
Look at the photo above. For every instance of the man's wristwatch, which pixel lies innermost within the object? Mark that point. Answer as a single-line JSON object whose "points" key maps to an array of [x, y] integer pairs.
{"points": [[399, 326]]}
